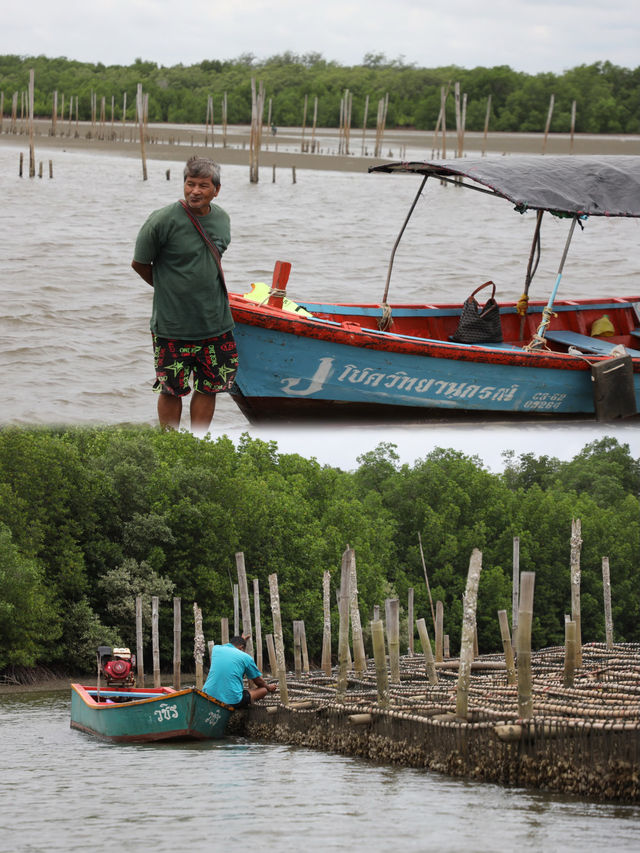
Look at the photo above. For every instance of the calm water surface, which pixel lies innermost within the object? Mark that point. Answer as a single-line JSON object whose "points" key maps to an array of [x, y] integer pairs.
{"points": [[64, 790]]}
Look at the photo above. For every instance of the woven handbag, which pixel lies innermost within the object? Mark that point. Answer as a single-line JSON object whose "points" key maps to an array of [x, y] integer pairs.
{"points": [[479, 325]]}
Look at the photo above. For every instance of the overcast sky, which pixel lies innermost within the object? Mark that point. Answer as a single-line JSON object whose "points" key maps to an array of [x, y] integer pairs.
{"points": [[528, 35]]}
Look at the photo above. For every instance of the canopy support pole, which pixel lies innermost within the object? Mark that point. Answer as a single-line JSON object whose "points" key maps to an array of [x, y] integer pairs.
{"points": [[385, 320], [532, 266], [539, 340]]}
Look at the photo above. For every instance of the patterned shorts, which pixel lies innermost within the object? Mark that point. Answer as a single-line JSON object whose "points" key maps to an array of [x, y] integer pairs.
{"points": [[213, 363]]}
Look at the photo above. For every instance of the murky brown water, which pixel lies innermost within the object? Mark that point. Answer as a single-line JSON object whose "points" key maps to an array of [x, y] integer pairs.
{"points": [[63, 790]]}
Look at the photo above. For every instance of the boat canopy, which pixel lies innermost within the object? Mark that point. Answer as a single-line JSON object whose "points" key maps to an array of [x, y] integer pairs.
{"points": [[569, 186]]}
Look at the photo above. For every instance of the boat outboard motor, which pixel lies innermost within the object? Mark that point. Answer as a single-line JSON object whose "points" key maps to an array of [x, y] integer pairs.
{"points": [[117, 666]]}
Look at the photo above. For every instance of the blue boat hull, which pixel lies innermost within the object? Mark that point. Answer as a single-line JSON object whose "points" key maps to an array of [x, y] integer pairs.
{"points": [[169, 715]]}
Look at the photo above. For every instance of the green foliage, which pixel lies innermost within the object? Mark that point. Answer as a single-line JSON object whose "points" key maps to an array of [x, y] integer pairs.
{"points": [[606, 95], [92, 518]]}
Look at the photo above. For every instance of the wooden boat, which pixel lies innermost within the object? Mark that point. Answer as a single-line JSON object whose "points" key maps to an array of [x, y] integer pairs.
{"points": [[137, 715], [387, 360]]}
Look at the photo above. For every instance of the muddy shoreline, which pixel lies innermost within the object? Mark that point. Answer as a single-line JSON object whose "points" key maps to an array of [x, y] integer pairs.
{"points": [[284, 150]]}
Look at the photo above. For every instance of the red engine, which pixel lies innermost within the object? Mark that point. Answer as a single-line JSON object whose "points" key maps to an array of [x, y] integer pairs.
{"points": [[117, 666]]}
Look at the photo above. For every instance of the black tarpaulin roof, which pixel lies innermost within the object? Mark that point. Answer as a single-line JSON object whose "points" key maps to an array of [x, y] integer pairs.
{"points": [[594, 186]]}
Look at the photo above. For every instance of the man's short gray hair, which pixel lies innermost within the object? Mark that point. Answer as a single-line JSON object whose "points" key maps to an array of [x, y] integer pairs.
{"points": [[202, 167]]}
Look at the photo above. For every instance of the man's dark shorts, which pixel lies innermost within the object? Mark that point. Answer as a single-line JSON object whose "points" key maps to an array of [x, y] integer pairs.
{"points": [[244, 702], [213, 363]]}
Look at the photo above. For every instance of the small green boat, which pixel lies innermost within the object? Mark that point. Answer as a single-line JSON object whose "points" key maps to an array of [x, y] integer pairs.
{"points": [[138, 715]]}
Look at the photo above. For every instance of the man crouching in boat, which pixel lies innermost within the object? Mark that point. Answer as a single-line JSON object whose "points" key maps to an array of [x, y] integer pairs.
{"points": [[229, 664]]}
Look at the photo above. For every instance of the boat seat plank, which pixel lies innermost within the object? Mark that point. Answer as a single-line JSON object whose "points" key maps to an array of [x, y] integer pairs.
{"points": [[597, 346]]}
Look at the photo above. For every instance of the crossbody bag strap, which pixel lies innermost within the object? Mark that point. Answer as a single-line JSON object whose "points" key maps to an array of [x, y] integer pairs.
{"points": [[207, 241]]}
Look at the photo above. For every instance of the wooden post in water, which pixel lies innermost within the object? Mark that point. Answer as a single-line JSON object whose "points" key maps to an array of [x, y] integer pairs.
{"points": [[380, 658], [507, 646], [426, 580], [573, 125], [569, 653], [139, 644], [297, 648], [429, 662], [439, 631], [255, 142], [576, 545], [21, 166], [326, 624], [487, 115], [198, 645], [32, 153], [525, 620], [548, 124], [305, 650], [140, 106], [271, 652], [410, 622], [468, 631], [224, 631], [393, 640], [279, 641], [177, 642], [606, 590], [155, 644], [343, 635], [236, 610], [445, 646], [244, 601], [359, 656], [515, 588], [304, 122], [258, 621], [364, 126]]}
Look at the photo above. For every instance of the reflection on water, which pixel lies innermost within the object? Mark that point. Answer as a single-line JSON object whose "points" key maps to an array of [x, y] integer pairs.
{"points": [[64, 790], [74, 339]]}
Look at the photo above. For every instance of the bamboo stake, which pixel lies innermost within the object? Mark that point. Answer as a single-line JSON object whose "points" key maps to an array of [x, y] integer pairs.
{"points": [[177, 651], [256, 613], [155, 645], [314, 125], [576, 544], [343, 635], [297, 648], [525, 620], [393, 640], [410, 622], [305, 650], [443, 108], [139, 643], [486, 127], [54, 114], [32, 153], [515, 587], [573, 125], [224, 120], [364, 125], [548, 124], [236, 610], [507, 646], [429, 662], [281, 670], [606, 589], [426, 580], [326, 626], [359, 656], [140, 106], [198, 645], [244, 600], [468, 632], [304, 121], [224, 631], [439, 630], [271, 652], [569, 653], [380, 658]]}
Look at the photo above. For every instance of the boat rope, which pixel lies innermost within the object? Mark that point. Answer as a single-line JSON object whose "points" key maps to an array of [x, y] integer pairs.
{"points": [[385, 321], [522, 305], [539, 341]]}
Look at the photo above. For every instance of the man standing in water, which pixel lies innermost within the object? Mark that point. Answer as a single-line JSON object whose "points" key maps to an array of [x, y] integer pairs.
{"points": [[178, 253], [229, 664]]}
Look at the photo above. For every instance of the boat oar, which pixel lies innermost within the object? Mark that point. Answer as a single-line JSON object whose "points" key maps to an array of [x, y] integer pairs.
{"points": [[539, 340], [281, 272]]}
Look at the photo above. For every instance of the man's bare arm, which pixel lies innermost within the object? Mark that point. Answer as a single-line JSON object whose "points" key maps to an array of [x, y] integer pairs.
{"points": [[145, 271]]}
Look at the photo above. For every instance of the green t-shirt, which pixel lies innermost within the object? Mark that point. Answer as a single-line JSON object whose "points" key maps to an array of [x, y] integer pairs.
{"points": [[189, 300]]}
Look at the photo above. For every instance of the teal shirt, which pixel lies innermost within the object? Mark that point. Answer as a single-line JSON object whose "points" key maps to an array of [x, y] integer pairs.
{"points": [[190, 302], [229, 665]]}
